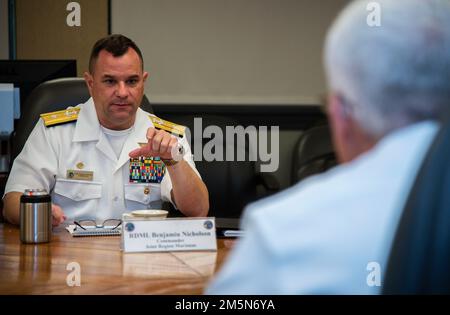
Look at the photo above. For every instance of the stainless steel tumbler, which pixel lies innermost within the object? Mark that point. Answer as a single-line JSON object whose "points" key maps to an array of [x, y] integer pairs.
{"points": [[35, 216]]}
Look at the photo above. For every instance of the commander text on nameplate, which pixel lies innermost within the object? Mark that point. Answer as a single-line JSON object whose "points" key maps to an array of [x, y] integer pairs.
{"points": [[169, 235]]}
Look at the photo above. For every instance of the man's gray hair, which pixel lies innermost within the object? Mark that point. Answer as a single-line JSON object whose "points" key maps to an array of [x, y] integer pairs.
{"points": [[394, 74]]}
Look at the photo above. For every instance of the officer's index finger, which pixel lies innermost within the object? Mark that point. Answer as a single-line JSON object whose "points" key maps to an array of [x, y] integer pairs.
{"points": [[151, 133]]}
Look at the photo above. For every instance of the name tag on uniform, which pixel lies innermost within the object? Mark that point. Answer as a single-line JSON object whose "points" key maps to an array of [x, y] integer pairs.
{"points": [[80, 175], [147, 170], [168, 235]]}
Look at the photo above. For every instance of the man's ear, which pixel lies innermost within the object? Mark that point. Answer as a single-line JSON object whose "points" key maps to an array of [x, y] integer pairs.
{"points": [[341, 127], [145, 76], [89, 81], [349, 137], [336, 112]]}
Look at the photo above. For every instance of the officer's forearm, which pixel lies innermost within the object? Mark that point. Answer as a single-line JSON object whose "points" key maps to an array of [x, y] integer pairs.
{"points": [[11, 206], [189, 191]]}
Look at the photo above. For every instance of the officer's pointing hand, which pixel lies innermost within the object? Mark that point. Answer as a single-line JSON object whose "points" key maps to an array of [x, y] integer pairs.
{"points": [[160, 143]]}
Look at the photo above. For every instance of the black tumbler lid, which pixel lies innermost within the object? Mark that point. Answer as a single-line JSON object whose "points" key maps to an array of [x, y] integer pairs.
{"points": [[35, 196]]}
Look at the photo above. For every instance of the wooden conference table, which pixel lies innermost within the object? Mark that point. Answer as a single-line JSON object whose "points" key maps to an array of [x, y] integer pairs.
{"points": [[104, 268]]}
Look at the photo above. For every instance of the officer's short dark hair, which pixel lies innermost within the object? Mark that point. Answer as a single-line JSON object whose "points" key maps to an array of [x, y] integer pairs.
{"points": [[115, 44]]}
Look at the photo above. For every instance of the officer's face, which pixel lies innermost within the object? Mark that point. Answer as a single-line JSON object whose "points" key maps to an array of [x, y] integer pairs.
{"points": [[117, 87]]}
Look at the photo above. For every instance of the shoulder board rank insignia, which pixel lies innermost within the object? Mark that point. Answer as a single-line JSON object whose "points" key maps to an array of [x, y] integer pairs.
{"points": [[60, 117], [167, 126]]}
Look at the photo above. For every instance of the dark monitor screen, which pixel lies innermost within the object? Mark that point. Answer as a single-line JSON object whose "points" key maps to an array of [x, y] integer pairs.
{"points": [[27, 74]]}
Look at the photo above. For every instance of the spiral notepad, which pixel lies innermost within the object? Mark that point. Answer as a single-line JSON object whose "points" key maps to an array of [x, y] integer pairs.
{"points": [[77, 231]]}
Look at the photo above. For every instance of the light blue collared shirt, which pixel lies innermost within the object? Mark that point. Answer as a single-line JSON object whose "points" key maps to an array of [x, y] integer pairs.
{"points": [[324, 235]]}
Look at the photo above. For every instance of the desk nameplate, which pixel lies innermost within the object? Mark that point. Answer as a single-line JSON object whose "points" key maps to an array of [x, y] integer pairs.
{"points": [[168, 235]]}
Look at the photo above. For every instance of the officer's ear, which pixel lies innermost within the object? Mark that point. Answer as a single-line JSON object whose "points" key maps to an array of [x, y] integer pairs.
{"points": [[89, 81]]}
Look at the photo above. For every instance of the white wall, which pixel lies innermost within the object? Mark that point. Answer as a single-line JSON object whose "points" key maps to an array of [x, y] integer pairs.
{"points": [[4, 44], [229, 51]]}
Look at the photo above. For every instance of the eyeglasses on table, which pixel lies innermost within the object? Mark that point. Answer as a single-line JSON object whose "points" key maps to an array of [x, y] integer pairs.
{"points": [[110, 224]]}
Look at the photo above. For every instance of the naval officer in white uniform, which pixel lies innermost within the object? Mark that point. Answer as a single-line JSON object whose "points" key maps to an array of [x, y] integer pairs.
{"points": [[82, 155]]}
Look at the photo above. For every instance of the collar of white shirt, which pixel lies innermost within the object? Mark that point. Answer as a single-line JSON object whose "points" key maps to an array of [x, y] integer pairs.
{"points": [[88, 129]]}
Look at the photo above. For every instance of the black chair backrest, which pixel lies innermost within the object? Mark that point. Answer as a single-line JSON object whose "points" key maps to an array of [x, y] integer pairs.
{"points": [[48, 97], [419, 261], [231, 184], [313, 153]]}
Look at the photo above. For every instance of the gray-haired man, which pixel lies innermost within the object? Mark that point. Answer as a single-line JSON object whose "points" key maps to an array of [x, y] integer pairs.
{"points": [[332, 233]]}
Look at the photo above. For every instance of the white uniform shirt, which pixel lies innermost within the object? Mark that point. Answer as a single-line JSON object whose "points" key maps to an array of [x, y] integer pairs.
{"points": [[328, 234], [51, 151]]}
